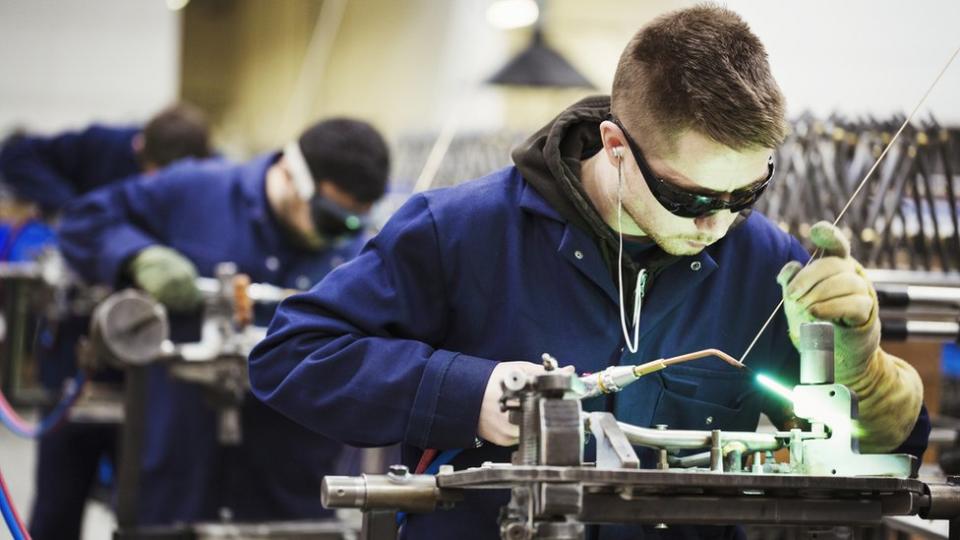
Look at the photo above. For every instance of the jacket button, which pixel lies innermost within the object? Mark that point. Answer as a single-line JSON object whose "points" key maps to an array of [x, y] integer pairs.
{"points": [[578, 254], [709, 420], [272, 263], [695, 266]]}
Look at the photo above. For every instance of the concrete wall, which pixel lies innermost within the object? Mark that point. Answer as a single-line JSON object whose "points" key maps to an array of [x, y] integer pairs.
{"points": [[70, 62]]}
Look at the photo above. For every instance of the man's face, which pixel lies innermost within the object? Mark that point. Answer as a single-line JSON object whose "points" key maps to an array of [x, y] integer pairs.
{"points": [[295, 213], [697, 164]]}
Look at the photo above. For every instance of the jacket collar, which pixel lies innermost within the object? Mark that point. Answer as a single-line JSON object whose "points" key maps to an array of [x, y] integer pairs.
{"points": [[580, 249]]}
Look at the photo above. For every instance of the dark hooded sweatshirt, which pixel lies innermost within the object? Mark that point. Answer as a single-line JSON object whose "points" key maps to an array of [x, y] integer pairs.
{"points": [[550, 161]]}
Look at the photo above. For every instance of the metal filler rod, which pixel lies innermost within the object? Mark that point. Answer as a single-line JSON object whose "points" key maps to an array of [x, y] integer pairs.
{"points": [[857, 191]]}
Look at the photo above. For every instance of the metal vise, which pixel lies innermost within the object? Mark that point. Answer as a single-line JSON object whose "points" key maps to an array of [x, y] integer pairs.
{"points": [[832, 408]]}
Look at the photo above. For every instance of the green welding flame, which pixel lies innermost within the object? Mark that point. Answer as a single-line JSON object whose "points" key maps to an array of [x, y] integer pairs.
{"points": [[775, 387]]}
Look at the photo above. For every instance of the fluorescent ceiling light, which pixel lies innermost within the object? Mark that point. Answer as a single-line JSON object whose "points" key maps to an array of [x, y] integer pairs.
{"points": [[509, 14]]}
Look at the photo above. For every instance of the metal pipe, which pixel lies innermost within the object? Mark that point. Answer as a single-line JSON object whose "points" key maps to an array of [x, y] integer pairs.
{"points": [[816, 353], [913, 277], [903, 330], [691, 439], [716, 451], [403, 492], [893, 295]]}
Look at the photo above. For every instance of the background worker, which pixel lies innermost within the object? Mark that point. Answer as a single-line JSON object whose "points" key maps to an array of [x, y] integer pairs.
{"points": [[284, 218], [53, 170]]}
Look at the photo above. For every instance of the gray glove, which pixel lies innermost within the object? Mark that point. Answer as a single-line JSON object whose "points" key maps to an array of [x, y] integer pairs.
{"points": [[168, 276]]}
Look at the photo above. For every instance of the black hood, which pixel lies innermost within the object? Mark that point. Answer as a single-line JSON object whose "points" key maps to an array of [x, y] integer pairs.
{"points": [[550, 161]]}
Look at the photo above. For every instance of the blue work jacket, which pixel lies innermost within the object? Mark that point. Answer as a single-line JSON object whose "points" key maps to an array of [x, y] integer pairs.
{"points": [[211, 211], [398, 345], [52, 171]]}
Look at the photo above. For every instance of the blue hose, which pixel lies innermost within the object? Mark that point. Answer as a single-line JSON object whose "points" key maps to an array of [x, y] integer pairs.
{"points": [[52, 420], [6, 508]]}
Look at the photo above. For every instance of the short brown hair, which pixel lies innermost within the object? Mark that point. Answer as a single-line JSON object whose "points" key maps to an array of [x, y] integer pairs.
{"points": [[177, 132], [702, 69]]}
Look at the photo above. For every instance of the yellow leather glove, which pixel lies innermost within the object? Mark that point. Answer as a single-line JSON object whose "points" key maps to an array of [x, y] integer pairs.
{"points": [[835, 289]]}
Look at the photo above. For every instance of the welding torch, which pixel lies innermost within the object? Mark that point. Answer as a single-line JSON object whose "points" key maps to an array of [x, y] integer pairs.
{"points": [[616, 378]]}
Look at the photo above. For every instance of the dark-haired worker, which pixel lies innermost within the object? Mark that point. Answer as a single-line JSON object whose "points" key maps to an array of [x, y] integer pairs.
{"points": [[284, 218], [51, 171], [463, 285]]}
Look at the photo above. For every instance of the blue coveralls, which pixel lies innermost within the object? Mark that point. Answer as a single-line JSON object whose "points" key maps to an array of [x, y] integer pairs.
{"points": [[211, 212], [52, 171], [397, 345]]}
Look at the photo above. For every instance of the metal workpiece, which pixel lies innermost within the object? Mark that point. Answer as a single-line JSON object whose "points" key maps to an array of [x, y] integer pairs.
{"points": [[942, 501], [664, 482], [560, 432], [716, 451], [553, 492], [550, 426], [743, 510], [614, 450], [558, 499], [677, 439], [404, 492], [287, 530], [560, 530], [127, 328], [257, 292], [528, 448], [835, 406], [733, 455], [816, 353]]}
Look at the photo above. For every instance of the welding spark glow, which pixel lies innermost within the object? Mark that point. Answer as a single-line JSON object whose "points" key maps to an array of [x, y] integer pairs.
{"points": [[776, 387]]}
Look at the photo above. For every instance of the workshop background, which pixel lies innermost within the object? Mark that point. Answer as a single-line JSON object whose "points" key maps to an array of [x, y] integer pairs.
{"points": [[436, 77]]}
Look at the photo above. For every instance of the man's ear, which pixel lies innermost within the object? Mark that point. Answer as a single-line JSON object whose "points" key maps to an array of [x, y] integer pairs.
{"points": [[137, 144], [613, 141]]}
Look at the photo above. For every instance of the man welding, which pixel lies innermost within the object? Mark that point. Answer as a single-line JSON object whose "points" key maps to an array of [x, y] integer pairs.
{"points": [[410, 341], [46, 173], [284, 218]]}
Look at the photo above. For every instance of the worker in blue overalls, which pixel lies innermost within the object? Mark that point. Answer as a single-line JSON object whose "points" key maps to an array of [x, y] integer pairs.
{"points": [[464, 285], [284, 218], [53, 171], [48, 173]]}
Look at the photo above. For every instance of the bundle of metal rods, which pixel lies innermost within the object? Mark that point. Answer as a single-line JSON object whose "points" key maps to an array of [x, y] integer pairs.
{"points": [[905, 219], [907, 216]]}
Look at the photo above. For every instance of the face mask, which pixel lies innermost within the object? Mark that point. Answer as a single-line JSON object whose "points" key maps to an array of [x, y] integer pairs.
{"points": [[329, 219], [332, 220]]}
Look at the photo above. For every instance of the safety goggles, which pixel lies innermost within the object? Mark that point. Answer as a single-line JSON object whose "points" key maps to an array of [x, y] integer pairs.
{"points": [[690, 204], [328, 217]]}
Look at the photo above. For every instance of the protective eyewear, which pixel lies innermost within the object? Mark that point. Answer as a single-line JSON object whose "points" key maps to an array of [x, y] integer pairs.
{"points": [[690, 204]]}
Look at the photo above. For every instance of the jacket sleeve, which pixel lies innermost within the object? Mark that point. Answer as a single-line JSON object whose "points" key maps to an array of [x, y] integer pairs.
{"points": [[40, 169], [100, 231], [358, 358]]}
